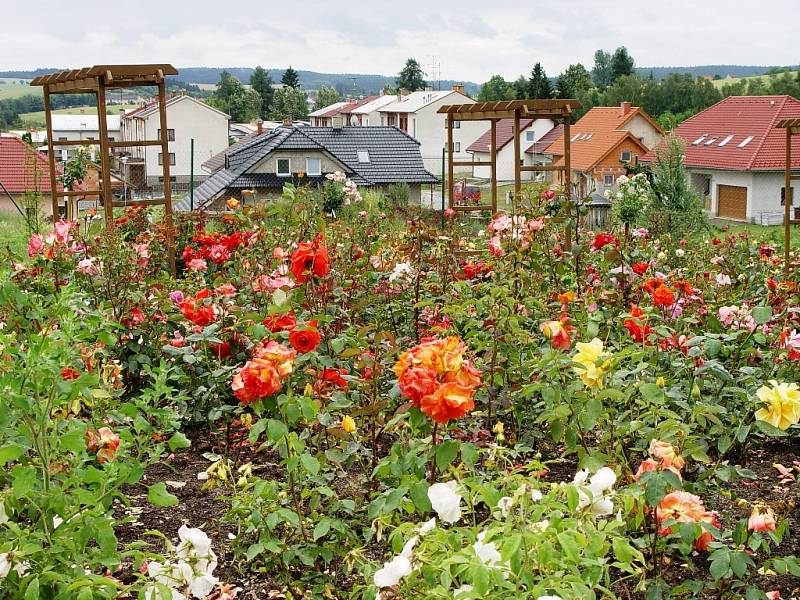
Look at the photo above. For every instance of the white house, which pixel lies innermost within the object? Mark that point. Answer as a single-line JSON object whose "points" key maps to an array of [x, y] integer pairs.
{"points": [[323, 117], [187, 119], [366, 112], [416, 115], [81, 127], [735, 157], [531, 131]]}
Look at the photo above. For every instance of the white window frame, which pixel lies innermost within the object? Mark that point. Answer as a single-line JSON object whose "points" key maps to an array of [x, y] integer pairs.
{"points": [[606, 182], [278, 167], [530, 136], [456, 147], [308, 168], [622, 156], [456, 124]]}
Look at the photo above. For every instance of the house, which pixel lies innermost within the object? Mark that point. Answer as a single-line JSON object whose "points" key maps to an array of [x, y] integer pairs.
{"points": [[372, 157], [237, 131], [23, 169], [81, 127], [735, 157], [366, 110], [601, 141], [416, 114], [531, 131], [536, 153], [324, 116], [188, 118]]}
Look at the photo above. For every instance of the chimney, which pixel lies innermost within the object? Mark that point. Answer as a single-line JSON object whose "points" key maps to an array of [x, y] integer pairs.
{"points": [[459, 87], [624, 108], [428, 88], [337, 122], [259, 126], [287, 122]]}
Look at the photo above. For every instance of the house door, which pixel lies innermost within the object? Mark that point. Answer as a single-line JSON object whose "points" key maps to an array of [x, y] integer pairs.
{"points": [[732, 202]]}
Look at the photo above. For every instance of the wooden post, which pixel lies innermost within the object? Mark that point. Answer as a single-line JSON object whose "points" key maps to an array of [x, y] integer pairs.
{"points": [[517, 152], [450, 181], [493, 155], [51, 158], [787, 204], [105, 159], [162, 110], [567, 179]]}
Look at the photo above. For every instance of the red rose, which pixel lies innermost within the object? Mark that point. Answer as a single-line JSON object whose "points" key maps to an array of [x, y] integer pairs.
{"points": [[283, 322], [663, 296], [69, 373], [603, 239], [310, 258], [196, 311], [640, 268], [304, 340]]}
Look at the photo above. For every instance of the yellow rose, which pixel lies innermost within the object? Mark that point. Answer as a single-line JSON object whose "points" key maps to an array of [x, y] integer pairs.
{"points": [[589, 353], [348, 424], [233, 203], [782, 401], [661, 382], [591, 376]]}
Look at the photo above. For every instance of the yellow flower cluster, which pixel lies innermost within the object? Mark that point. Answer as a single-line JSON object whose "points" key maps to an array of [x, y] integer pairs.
{"points": [[782, 402], [588, 356]]}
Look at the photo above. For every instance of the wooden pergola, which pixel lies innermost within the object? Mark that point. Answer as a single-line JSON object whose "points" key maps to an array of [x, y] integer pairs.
{"points": [[96, 80], [792, 127], [559, 111]]}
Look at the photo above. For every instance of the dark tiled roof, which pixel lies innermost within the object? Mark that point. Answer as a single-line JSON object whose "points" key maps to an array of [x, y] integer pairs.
{"points": [[394, 157], [217, 162]]}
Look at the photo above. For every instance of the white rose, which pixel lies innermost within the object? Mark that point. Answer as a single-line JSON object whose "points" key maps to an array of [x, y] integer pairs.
{"points": [[392, 572], [445, 501]]}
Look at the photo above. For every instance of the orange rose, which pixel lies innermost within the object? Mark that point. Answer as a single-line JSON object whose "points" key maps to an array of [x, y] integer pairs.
{"points": [[416, 383], [450, 401]]}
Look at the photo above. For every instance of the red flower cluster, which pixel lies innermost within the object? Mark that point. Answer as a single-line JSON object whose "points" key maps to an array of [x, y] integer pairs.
{"points": [[263, 375], [215, 247], [603, 239], [195, 311], [437, 378], [638, 327], [310, 259], [640, 268], [304, 340], [472, 270], [281, 322], [659, 291]]}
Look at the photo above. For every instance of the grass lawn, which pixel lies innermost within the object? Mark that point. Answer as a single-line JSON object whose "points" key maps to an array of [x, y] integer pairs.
{"points": [[13, 233], [718, 83], [12, 88], [36, 119]]}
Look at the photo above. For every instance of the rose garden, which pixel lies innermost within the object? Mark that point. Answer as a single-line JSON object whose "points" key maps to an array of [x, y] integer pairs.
{"points": [[344, 404]]}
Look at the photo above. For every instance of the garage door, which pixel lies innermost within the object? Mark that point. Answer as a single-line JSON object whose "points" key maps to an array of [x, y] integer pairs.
{"points": [[732, 202]]}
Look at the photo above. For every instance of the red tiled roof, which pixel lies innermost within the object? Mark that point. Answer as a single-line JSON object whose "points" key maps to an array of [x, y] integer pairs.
{"points": [[22, 168], [505, 133], [359, 103], [543, 143], [741, 117]]}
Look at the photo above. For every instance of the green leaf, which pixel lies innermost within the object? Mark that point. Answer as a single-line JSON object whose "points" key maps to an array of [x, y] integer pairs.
{"points": [[10, 452], [652, 393], [322, 528], [719, 566], [419, 496], [276, 430], [446, 453], [279, 297], [770, 429], [157, 495], [178, 441], [32, 592], [762, 314], [310, 463]]}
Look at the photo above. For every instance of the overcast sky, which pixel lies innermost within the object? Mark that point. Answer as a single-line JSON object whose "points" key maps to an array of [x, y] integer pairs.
{"points": [[472, 39]]}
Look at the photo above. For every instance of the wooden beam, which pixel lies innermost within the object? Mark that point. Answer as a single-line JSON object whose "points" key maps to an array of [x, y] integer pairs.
{"points": [[148, 202], [76, 142], [162, 112], [133, 143], [78, 193], [51, 158], [105, 158], [567, 178], [472, 163], [539, 168], [787, 203], [517, 158], [493, 161], [450, 183]]}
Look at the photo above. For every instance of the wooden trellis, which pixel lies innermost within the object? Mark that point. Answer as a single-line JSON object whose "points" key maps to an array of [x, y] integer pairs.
{"points": [[559, 111], [792, 127], [96, 80]]}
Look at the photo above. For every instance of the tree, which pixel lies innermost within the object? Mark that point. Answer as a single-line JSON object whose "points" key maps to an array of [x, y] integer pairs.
{"points": [[232, 97], [326, 96], [291, 78], [411, 78], [628, 88], [539, 87], [261, 82], [601, 73], [621, 63], [521, 88], [289, 103], [228, 86], [572, 81], [496, 88]]}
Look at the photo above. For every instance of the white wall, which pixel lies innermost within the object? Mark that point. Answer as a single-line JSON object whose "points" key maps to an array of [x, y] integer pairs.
{"points": [[189, 119], [643, 130]]}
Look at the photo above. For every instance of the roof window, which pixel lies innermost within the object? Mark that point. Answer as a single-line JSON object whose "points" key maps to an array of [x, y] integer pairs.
{"points": [[745, 141], [699, 140], [725, 141], [363, 156]]}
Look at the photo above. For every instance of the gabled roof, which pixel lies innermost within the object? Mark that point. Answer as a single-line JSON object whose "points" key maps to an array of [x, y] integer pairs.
{"points": [[351, 106], [376, 103], [83, 122], [217, 162], [602, 119], [393, 157], [22, 168], [586, 153], [505, 133], [151, 107], [416, 100], [739, 134], [329, 111], [541, 145]]}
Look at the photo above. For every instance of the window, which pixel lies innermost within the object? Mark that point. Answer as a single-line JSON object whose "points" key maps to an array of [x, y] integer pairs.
{"points": [[170, 134], [283, 167], [626, 156], [608, 180], [404, 123], [456, 146], [363, 156], [172, 179], [783, 196], [530, 136], [725, 141], [171, 158], [62, 139], [313, 166], [456, 124], [745, 141], [391, 120]]}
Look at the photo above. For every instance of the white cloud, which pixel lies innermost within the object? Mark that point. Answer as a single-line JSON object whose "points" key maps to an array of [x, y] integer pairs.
{"points": [[471, 40]]}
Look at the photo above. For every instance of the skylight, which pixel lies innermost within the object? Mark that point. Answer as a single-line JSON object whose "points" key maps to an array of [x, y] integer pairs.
{"points": [[699, 140], [588, 136], [725, 141], [363, 156], [745, 141], [711, 141], [575, 137]]}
